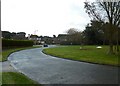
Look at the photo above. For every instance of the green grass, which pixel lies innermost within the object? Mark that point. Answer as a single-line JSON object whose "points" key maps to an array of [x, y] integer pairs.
{"points": [[90, 54], [8, 51], [0, 78], [16, 78]]}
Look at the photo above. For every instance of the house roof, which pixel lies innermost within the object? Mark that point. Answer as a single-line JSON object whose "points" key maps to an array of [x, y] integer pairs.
{"points": [[62, 35], [33, 36]]}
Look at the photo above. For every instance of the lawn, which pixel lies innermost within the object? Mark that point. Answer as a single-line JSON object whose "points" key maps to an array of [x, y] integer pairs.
{"points": [[7, 52], [89, 54], [15, 78]]}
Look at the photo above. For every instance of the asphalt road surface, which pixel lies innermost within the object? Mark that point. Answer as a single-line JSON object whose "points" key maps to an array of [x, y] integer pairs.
{"points": [[46, 69]]}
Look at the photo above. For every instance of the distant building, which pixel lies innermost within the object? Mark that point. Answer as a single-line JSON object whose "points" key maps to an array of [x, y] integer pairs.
{"points": [[55, 40], [35, 38], [62, 37], [47, 39]]}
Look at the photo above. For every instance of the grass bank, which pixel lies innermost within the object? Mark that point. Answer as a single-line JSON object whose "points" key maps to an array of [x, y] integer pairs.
{"points": [[8, 51], [89, 54]]}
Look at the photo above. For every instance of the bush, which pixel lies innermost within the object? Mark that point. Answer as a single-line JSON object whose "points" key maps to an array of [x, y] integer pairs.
{"points": [[18, 43]]}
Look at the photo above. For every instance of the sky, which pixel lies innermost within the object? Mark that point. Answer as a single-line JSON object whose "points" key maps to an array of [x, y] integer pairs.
{"points": [[43, 17]]}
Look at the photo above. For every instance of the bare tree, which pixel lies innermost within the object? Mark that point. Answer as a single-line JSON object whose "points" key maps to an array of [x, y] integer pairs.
{"points": [[74, 36], [71, 31]]}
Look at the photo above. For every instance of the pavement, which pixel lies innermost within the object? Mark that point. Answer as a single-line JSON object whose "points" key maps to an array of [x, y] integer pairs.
{"points": [[6, 67], [47, 69]]}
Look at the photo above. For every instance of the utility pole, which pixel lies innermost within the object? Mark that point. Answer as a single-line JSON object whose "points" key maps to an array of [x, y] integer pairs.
{"points": [[35, 32], [35, 36]]}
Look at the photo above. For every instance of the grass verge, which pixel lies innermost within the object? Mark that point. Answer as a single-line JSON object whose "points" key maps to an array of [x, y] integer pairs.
{"points": [[7, 52], [89, 54], [15, 78]]}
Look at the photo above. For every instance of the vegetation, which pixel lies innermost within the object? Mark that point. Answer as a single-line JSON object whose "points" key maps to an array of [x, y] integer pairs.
{"points": [[15, 78], [94, 35], [13, 35], [19, 43], [107, 13], [7, 52], [88, 54], [74, 37]]}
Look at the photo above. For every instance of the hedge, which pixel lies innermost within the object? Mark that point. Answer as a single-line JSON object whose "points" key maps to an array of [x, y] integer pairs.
{"points": [[18, 43]]}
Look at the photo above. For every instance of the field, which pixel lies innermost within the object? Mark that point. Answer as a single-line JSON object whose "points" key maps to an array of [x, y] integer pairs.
{"points": [[88, 54]]}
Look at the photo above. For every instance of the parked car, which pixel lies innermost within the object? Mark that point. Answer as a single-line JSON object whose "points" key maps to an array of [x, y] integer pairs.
{"points": [[45, 45]]}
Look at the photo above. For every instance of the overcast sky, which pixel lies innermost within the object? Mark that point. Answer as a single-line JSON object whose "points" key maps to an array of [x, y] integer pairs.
{"points": [[43, 17]]}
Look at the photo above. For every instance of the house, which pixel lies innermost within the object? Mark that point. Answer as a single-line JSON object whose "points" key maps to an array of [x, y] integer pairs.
{"points": [[35, 38], [62, 37], [47, 39]]}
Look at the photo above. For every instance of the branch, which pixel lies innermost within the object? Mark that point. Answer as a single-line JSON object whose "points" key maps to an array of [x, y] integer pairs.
{"points": [[105, 6]]}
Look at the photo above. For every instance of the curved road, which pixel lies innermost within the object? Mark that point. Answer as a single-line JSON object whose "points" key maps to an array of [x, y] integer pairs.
{"points": [[46, 69]]}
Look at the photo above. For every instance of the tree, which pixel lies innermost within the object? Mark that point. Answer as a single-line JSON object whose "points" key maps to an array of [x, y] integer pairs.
{"points": [[106, 12], [54, 36], [93, 33], [13, 34], [71, 31], [21, 33], [74, 36], [6, 34]]}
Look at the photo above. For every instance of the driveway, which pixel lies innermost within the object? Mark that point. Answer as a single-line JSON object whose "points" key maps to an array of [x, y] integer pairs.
{"points": [[47, 69]]}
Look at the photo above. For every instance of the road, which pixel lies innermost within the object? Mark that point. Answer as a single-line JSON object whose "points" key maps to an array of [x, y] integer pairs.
{"points": [[47, 69]]}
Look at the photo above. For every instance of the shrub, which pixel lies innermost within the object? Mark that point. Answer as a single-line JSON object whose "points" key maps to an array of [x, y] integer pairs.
{"points": [[18, 43]]}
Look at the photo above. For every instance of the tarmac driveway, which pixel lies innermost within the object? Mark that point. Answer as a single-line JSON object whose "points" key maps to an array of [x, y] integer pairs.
{"points": [[46, 69]]}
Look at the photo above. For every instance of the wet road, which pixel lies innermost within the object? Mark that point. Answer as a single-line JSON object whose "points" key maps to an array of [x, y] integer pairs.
{"points": [[46, 69]]}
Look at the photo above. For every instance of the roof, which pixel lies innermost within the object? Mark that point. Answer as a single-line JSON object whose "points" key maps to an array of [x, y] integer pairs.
{"points": [[62, 35]]}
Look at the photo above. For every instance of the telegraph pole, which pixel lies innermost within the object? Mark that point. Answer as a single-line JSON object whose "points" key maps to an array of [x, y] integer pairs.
{"points": [[35, 32]]}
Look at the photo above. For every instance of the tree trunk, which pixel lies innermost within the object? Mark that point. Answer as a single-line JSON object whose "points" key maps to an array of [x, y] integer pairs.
{"points": [[118, 47], [111, 50], [110, 47], [110, 39]]}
